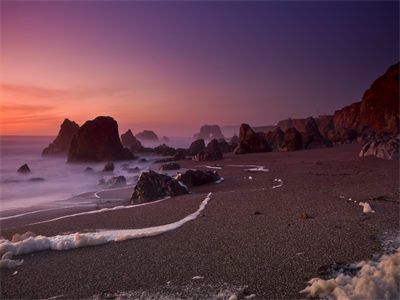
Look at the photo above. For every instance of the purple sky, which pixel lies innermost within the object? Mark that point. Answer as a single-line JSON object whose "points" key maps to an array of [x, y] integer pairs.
{"points": [[173, 66]]}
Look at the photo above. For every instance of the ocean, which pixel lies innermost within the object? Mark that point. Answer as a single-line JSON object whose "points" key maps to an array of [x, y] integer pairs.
{"points": [[54, 183]]}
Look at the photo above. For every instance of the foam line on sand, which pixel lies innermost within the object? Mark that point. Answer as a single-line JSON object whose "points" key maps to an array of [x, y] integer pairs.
{"points": [[77, 240]]}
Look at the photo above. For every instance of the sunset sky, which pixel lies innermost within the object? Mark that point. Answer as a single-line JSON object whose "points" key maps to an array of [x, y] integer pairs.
{"points": [[173, 66]]}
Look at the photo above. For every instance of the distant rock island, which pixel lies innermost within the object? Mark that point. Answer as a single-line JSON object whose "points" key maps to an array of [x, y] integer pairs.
{"points": [[60, 145], [209, 132], [147, 135], [98, 140]]}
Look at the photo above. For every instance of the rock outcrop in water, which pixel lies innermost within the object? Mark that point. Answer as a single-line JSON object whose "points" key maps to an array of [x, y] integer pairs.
{"points": [[250, 141], [62, 142], [24, 169], [209, 132], [152, 186], [130, 141], [147, 135], [98, 140]]}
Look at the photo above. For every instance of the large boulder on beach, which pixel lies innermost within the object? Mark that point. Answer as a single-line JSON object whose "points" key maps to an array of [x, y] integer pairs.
{"points": [[98, 140], [180, 154], [250, 141], [147, 135], [24, 169], [210, 153], [209, 132], [152, 186], [62, 142], [196, 147], [293, 140], [382, 149], [312, 138], [130, 141], [197, 177], [378, 110]]}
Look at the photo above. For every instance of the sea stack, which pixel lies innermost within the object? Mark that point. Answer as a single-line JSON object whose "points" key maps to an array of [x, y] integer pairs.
{"points": [[60, 145], [98, 140]]}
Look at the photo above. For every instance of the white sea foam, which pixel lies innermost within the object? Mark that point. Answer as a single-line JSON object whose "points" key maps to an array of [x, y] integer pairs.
{"points": [[280, 183], [258, 169], [77, 240], [220, 180], [375, 280], [212, 167]]}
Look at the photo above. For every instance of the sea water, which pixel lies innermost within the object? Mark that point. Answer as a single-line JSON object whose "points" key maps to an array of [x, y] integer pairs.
{"points": [[53, 182]]}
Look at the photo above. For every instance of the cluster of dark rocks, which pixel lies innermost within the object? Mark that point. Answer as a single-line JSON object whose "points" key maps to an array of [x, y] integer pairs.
{"points": [[153, 186]]}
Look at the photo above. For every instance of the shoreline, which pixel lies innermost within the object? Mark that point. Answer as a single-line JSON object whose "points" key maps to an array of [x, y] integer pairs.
{"points": [[249, 233]]}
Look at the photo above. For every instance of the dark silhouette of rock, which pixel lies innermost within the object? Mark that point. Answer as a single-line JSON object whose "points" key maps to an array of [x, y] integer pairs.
{"points": [[164, 150], [147, 135], [89, 169], [312, 138], [170, 166], [98, 140], [293, 140], [211, 153], [196, 177], [208, 132], [275, 138], [180, 154], [382, 149], [109, 167], [153, 186], [234, 139], [196, 147], [130, 141], [378, 110], [250, 141], [116, 181], [63, 140], [24, 169], [165, 139], [225, 147]]}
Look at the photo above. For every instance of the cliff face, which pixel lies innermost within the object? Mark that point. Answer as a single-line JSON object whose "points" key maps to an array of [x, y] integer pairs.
{"points": [[378, 111], [324, 123], [62, 142]]}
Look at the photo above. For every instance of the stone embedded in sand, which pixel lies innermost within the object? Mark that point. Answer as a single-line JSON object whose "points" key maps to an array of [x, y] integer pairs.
{"points": [[98, 140], [170, 166], [196, 147], [210, 153], [24, 169], [250, 141], [147, 135], [88, 169], [152, 186], [36, 179], [197, 177], [304, 216], [63, 140], [109, 167]]}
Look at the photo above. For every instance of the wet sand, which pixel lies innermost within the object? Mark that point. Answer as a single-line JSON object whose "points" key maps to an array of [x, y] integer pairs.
{"points": [[249, 233]]}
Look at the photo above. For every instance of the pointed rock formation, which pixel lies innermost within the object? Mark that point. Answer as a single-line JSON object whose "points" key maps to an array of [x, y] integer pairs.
{"points": [[98, 140], [130, 141], [61, 144], [293, 140], [210, 153], [147, 135], [250, 141]]}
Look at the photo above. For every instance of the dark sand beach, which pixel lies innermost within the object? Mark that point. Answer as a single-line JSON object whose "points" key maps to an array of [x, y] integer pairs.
{"points": [[249, 234]]}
